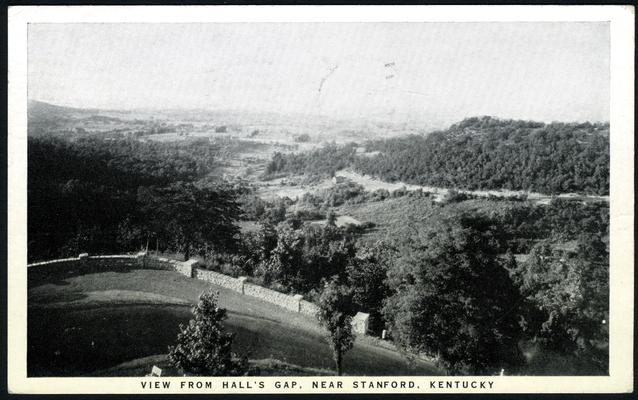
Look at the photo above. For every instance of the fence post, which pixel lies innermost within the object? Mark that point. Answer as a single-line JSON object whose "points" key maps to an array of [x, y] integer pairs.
{"points": [[298, 299], [141, 259], [242, 283], [84, 259]]}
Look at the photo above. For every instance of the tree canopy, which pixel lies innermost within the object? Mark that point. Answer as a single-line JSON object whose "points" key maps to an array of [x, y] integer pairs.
{"points": [[101, 196], [190, 217], [476, 153], [453, 299], [571, 293]]}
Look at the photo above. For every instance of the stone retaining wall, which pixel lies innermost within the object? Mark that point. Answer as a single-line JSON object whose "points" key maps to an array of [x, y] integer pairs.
{"points": [[308, 308], [283, 300], [53, 263], [240, 285], [189, 268], [109, 261], [140, 260], [218, 279]]}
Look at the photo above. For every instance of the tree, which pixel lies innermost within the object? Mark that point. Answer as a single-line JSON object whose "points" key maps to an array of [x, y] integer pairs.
{"points": [[453, 299], [367, 273], [303, 257], [570, 291], [331, 218], [203, 347], [335, 314], [275, 213], [189, 218]]}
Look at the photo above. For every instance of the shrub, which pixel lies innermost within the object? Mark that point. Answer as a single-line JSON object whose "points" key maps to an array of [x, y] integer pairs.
{"points": [[303, 138]]}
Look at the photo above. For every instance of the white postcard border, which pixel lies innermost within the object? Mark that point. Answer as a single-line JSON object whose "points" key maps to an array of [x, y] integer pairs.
{"points": [[621, 190]]}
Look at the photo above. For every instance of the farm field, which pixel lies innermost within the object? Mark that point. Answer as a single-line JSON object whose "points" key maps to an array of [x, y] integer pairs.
{"points": [[87, 324]]}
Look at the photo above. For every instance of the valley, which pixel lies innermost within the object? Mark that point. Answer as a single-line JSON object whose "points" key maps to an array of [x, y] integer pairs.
{"points": [[495, 220]]}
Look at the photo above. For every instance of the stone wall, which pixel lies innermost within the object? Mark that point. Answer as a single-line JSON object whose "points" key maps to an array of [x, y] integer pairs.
{"points": [[125, 261], [140, 260], [308, 308], [283, 300], [218, 279], [239, 285], [63, 262], [189, 268]]}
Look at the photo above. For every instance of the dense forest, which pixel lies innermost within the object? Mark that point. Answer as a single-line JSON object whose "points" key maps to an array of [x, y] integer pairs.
{"points": [[104, 196], [322, 162], [477, 153]]}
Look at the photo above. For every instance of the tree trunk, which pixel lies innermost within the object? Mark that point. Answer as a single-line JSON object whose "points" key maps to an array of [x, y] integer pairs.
{"points": [[337, 357]]}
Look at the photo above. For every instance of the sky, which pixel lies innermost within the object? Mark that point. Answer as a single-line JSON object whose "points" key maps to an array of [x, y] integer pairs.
{"points": [[547, 71]]}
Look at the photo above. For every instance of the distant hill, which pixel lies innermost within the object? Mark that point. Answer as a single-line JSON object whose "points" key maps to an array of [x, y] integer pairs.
{"points": [[49, 119], [476, 154], [45, 118], [39, 109], [490, 153]]}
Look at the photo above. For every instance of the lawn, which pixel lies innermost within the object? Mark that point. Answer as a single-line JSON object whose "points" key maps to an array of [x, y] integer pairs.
{"points": [[85, 324]]}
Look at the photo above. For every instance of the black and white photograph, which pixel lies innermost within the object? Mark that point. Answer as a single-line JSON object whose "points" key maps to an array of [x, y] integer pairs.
{"points": [[395, 203]]}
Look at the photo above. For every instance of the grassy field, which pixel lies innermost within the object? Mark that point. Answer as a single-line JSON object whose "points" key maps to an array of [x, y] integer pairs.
{"points": [[86, 324], [391, 216]]}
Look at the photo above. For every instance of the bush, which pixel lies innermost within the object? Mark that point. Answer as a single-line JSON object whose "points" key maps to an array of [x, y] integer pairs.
{"points": [[309, 214], [399, 192], [303, 138], [454, 196], [380, 195]]}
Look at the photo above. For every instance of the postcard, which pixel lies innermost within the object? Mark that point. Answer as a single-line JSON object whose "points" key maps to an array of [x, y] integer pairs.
{"points": [[320, 199]]}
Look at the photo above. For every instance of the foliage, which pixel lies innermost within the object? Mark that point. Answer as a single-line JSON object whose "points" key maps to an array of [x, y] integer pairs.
{"points": [[191, 218], [331, 218], [203, 347], [335, 314], [488, 153], [303, 257], [521, 225], [323, 162], [453, 299], [366, 275], [454, 196], [571, 291], [476, 153], [275, 212], [91, 195], [303, 138], [253, 207]]}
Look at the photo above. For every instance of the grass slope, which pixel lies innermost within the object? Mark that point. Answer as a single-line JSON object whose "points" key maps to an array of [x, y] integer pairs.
{"points": [[91, 336]]}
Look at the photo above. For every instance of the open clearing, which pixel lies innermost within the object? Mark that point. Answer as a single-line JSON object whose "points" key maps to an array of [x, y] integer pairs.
{"points": [[86, 323], [372, 184], [282, 187]]}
